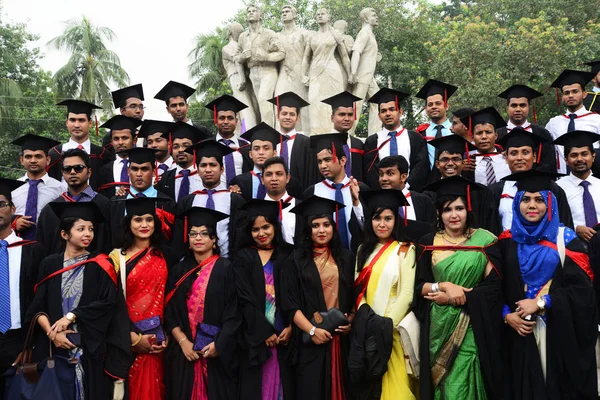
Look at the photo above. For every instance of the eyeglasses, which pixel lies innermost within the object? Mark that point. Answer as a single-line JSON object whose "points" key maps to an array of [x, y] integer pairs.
{"points": [[77, 167], [135, 107], [446, 160], [203, 234], [4, 204]]}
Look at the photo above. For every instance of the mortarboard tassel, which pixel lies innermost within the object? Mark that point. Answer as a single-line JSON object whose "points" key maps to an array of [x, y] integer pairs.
{"points": [[557, 97], [277, 101], [280, 210], [534, 115], [96, 118], [405, 215], [354, 109], [333, 152], [445, 98], [336, 217], [539, 153], [215, 114], [185, 230], [469, 208], [170, 144], [549, 206], [196, 165], [397, 106]]}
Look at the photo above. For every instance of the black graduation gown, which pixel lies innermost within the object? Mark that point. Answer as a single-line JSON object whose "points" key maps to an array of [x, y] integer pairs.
{"points": [[594, 254], [484, 307], [356, 157], [98, 303], [303, 165], [107, 145], [424, 208], [419, 162], [571, 333], [548, 157], [220, 309], [48, 233], [166, 185], [592, 102], [244, 181], [250, 284], [302, 290], [98, 157], [106, 180]]}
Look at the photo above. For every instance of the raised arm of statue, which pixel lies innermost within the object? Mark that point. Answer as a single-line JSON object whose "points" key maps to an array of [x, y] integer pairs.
{"points": [[306, 62], [341, 48]]}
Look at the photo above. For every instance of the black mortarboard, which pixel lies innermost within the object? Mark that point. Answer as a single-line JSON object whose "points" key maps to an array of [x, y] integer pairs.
{"points": [[140, 155], [343, 99], [453, 144], [87, 211], [577, 139], [209, 148], [455, 186], [316, 205], [571, 77], [487, 115], [79, 107], [121, 122], [519, 137], [271, 210], [35, 142], [264, 132], [334, 142], [174, 89], [7, 186], [516, 91], [150, 127], [183, 130], [415, 230], [289, 99], [533, 180], [226, 103], [199, 216], [385, 95], [391, 198], [595, 66], [142, 205], [120, 96], [436, 87]]}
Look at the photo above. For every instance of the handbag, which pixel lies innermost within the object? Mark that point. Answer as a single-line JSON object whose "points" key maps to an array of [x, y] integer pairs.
{"points": [[50, 379], [205, 335], [328, 320], [410, 330], [151, 326]]}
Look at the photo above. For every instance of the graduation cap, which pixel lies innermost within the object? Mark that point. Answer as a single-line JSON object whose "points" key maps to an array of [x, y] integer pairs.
{"points": [[174, 89], [391, 198], [519, 137], [264, 132], [121, 122], [577, 139], [87, 211], [140, 155], [209, 148], [198, 216], [516, 91], [183, 130], [455, 186], [386, 95], [7, 186], [271, 210], [35, 142], [316, 205], [150, 127], [333, 142], [343, 99], [288, 99], [433, 87], [79, 107], [533, 180], [415, 230], [571, 77], [487, 115], [120, 96], [142, 205], [595, 66], [225, 103], [453, 144]]}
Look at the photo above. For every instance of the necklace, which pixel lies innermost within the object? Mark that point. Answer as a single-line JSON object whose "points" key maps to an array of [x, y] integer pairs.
{"points": [[448, 239]]}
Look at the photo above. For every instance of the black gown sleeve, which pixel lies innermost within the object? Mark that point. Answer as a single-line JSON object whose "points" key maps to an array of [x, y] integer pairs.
{"points": [[419, 162]]}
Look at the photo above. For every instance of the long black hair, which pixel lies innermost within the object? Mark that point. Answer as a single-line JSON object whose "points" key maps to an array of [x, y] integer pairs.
{"points": [[157, 240], [440, 204], [246, 233], [370, 238]]}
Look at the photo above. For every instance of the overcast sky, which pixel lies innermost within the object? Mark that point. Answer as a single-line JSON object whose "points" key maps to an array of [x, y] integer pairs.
{"points": [[153, 38]]}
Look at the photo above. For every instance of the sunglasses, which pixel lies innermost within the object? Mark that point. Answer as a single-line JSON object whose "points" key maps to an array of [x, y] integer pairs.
{"points": [[77, 167]]}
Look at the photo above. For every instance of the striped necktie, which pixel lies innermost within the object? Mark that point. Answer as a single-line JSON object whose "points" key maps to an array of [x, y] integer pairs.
{"points": [[489, 170]]}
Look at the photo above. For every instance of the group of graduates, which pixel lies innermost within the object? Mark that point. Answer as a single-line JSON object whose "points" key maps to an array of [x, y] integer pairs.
{"points": [[172, 263]]}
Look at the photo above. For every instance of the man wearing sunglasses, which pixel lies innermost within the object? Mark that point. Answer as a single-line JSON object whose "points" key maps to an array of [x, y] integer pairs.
{"points": [[76, 173]]}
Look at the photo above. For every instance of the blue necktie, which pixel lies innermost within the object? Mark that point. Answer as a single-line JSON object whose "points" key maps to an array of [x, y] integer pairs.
{"points": [[184, 188], [589, 208], [348, 154], [138, 195], [393, 143], [5, 320], [401, 212], [229, 162], [210, 202], [284, 151], [341, 216], [261, 192], [163, 168], [124, 175], [572, 118], [31, 207]]}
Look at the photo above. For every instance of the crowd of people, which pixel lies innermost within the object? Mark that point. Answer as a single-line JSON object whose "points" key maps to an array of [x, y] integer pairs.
{"points": [[458, 261]]}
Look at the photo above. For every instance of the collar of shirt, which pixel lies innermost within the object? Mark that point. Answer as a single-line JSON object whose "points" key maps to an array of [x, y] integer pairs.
{"points": [[71, 144], [179, 169], [12, 238], [234, 139], [150, 192], [383, 133], [88, 191], [511, 126], [446, 124], [189, 122], [221, 186], [285, 196], [257, 170], [168, 162], [576, 181], [579, 112], [44, 178], [290, 133], [343, 182]]}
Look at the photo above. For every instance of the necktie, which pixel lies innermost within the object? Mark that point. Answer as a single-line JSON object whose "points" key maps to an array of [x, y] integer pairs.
{"points": [[138, 195], [184, 188], [163, 167], [571, 126], [210, 202], [75, 197], [284, 151], [401, 212], [489, 170], [589, 208], [31, 207], [348, 168], [438, 133], [229, 162], [80, 147], [124, 175], [261, 192], [393, 144], [341, 216], [5, 320]]}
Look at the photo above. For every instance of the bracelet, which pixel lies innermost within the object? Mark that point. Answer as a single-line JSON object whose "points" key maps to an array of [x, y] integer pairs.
{"points": [[181, 341], [435, 287], [139, 339]]}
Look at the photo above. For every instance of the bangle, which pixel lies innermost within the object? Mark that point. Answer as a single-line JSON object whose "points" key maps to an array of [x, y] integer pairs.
{"points": [[139, 339], [181, 341], [435, 287]]}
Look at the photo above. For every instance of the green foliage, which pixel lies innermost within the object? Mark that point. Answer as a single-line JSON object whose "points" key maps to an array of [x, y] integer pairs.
{"points": [[207, 66]]}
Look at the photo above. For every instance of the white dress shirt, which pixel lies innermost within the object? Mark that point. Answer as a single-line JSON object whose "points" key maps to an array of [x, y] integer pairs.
{"points": [[410, 209], [506, 204], [14, 273], [238, 160], [402, 139], [117, 167], [498, 164], [48, 190], [195, 181], [71, 144], [558, 126], [526, 126], [288, 219], [574, 192], [222, 204]]}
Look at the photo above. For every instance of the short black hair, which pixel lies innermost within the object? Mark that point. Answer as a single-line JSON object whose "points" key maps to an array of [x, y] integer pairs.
{"points": [[77, 153], [463, 112], [394, 161], [276, 160]]}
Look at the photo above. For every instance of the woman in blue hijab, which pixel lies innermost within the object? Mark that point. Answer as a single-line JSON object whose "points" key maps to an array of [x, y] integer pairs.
{"points": [[549, 312]]}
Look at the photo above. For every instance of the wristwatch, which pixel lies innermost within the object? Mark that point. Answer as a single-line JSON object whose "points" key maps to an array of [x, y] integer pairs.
{"points": [[541, 303], [312, 331], [71, 317]]}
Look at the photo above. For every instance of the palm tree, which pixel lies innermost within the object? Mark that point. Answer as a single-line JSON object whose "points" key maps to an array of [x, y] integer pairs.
{"points": [[207, 66], [91, 67], [9, 92]]}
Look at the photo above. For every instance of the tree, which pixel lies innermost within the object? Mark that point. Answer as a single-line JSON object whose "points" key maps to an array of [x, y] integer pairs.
{"points": [[92, 67]]}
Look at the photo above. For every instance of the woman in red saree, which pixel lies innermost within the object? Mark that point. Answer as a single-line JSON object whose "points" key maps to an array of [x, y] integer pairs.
{"points": [[142, 268]]}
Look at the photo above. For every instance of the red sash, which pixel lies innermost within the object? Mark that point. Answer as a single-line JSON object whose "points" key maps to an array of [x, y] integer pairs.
{"points": [[113, 184], [386, 141], [167, 219], [102, 260], [187, 275], [579, 116], [460, 248], [365, 274]]}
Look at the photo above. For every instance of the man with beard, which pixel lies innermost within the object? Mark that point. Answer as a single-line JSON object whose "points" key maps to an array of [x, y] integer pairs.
{"points": [[175, 96], [581, 188], [129, 102], [158, 138]]}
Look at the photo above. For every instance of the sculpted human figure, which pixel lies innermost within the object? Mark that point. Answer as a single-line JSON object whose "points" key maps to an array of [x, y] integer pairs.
{"points": [[322, 73], [236, 76], [260, 52], [341, 26]]}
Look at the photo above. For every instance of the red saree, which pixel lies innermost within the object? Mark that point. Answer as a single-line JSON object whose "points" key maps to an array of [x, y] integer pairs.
{"points": [[145, 298]]}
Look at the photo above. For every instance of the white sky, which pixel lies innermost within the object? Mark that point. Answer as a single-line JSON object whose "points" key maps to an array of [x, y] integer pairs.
{"points": [[153, 37]]}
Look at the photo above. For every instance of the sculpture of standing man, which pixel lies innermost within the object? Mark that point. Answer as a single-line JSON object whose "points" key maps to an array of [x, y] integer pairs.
{"points": [[260, 52]]}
